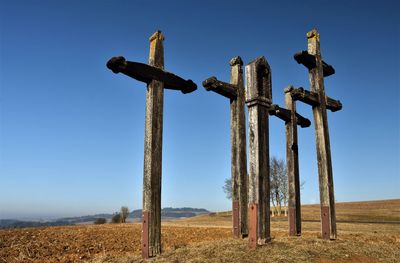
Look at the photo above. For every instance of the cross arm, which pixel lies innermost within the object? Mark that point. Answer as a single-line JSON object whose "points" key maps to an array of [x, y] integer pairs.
{"points": [[225, 89], [308, 61], [333, 105], [147, 73], [308, 97], [285, 115], [311, 98]]}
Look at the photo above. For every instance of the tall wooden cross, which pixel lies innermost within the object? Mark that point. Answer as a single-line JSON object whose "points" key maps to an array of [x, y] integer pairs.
{"points": [[292, 119], [157, 80], [235, 93], [318, 69], [258, 101]]}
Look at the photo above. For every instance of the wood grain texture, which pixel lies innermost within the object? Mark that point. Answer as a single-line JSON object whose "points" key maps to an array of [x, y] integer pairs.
{"points": [[309, 61], [147, 73], [286, 115], [325, 173], [153, 147], [292, 159], [258, 100], [234, 91], [312, 98], [225, 89], [238, 111]]}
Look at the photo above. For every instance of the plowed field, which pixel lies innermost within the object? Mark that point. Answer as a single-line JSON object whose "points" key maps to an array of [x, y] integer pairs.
{"points": [[85, 242], [208, 238]]}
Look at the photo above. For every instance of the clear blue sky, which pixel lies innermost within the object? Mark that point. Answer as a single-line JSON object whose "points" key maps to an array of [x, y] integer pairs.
{"points": [[72, 132]]}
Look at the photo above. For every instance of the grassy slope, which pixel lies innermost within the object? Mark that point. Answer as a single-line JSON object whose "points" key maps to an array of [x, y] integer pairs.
{"points": [[385, 211]]}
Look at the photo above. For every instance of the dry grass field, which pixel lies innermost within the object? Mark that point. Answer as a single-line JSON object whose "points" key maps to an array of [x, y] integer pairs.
{"points": [[367, 232]]}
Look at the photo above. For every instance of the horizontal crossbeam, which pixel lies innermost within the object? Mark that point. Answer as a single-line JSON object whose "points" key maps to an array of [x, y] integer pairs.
{"points": [[333, 105], [308, 61], [308, 97], [222, 88], [285, 115], [147, 73], [311, 98]]}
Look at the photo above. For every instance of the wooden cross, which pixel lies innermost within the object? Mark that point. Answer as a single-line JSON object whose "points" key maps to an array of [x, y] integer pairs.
{"points": [[318, 69], [258, 101], [292, 119], [235, 93], [156, 79]]}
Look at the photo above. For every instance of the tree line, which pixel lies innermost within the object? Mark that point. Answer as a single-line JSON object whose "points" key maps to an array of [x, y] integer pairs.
{"points": [[117, 217]]}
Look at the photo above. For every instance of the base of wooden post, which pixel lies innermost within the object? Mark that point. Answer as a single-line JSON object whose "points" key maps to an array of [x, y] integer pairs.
{"points": [[145, 234], [292, 221], [253, 226], [325, 224], [235, 218]]}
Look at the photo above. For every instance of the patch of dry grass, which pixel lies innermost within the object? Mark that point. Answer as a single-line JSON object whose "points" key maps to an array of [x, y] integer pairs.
{"points": [[348, 248], [368, 211], [385, 211]]}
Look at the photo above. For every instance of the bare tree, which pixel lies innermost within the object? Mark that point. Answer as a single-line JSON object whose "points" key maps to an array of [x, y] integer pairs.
{"points": [[278, 184], [116, 218], [228, 188], [124, 214]]}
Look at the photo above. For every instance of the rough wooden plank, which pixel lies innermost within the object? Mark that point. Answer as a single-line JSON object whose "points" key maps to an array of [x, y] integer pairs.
{"points": [[235, 92], [235, 218], [285, 115], [333, 105], [222, 88], [308, 60], [292, 159], [258, 100], [279, 112], [312, 98], [156, 79], [327, 198], [241, 180], [292, 221], [234, 160], [308, 97], [153, 147], [147, 73]]}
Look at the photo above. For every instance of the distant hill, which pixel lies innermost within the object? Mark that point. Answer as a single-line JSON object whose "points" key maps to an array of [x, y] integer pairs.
{"points": [[13, 223], [169, 212], [135, 215]]}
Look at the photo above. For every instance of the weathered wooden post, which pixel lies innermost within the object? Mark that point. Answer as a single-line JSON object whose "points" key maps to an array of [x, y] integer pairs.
{"points": [[318, 69], [292, 119], [157, 79], [258, 101], [235, 92]]}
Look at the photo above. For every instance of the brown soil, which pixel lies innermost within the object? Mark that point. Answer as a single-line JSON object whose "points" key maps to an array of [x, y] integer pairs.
{"points": [[84, 242], [208, 238]]}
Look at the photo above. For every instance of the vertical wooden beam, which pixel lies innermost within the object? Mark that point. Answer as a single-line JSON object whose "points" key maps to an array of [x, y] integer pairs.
{"points": [[234, 167], [292, 159], [327, 199], [238, 144], [258, 100], [153, 150]]}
